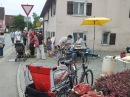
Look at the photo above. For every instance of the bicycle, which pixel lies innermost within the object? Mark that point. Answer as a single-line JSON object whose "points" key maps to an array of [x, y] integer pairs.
{"points": [[73, 71]]}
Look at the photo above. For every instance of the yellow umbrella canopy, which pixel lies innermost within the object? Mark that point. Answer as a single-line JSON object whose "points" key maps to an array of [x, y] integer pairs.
{"points": [[98, 21]]}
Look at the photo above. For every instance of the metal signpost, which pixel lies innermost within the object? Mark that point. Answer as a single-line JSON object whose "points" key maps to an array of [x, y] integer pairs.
{"points": [[27, 9]]}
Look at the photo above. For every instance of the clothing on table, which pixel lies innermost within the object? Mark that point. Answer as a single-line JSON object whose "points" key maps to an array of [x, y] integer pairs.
{"points": [[18, 35], [40, 48], [2, 41], [49, 45], [63, 39], [81, 42]]}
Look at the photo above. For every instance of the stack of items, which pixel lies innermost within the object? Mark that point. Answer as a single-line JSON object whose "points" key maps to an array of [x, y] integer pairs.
{"points": [[83, 90]]}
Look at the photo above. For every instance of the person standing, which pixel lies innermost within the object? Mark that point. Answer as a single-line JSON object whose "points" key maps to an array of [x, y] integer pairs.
{"points": [[40, 49], [24, 36], [2, 43], [12, 36], [31, 45], [49, 48], [18, 35]]}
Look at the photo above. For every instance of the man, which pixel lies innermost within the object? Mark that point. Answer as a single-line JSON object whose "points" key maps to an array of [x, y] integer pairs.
{"points": [[40, 48], [24, 36], [12, 36], [31, 39], [18, 35], [80, 41], [65, 40]]}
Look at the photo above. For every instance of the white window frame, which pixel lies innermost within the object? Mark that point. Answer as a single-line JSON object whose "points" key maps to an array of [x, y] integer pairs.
{"points": [[53, 8], [79, 7], [108, 38]]}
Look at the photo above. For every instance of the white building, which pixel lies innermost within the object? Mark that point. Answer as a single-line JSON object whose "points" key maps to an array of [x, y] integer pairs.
{"points": [[64, 17]]}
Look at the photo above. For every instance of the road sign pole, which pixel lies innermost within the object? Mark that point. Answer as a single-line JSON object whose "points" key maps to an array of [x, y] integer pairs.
{"points": [[27, 25]]}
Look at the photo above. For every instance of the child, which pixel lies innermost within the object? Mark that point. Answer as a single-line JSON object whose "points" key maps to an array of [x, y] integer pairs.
{"points": [[49, 48]]}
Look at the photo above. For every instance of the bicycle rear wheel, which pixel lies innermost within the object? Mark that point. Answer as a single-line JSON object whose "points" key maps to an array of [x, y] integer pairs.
{"points": [[87, 77]]}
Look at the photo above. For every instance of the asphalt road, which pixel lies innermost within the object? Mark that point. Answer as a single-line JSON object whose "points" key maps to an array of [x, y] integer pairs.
{"points": [[8, 42], [8, 71]]}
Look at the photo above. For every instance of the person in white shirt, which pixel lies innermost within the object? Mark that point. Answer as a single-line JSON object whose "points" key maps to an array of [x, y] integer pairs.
{"points": [[64, 40], [18, 36], [80, 41]]}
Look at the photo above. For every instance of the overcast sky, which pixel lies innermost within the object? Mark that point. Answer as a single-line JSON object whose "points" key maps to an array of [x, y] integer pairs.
{"points": [[13, 7]]}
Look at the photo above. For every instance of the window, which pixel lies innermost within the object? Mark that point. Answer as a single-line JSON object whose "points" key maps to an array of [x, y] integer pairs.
{"points": [[109, 38], [53, 8], [52, 34], [79, 8]]}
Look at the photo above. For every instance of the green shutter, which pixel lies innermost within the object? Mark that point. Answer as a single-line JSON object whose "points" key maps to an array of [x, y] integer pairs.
{"points": [[89, 9], [112, 39], [69, 7]]}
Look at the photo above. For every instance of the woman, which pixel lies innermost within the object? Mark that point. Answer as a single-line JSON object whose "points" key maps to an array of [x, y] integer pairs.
{"points": [[2, 43], [40, 49]]}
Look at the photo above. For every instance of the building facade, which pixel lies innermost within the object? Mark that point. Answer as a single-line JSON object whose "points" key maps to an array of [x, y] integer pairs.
{"points": [[64, 17], [2, 19]]}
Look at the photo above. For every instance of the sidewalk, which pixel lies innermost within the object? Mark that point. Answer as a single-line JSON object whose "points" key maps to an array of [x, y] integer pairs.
{"points": [[94, 65], [8, 72]]}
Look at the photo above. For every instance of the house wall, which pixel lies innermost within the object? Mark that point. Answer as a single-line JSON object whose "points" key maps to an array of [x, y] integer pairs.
{"points": [[50, 25], [118, 11]]}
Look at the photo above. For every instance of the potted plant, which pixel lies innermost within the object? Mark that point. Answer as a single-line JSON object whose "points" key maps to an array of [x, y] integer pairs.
{"points": [[116, 85]]}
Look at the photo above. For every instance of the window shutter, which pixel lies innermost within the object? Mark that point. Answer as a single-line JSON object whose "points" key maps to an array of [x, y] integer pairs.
{"points": [[112, 39], [69, 7], [129, 13], [51, 10], [88, 9]]}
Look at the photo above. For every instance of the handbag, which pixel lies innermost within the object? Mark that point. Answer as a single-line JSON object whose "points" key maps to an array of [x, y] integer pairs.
{"points": [[36, 43], [1, 45]]}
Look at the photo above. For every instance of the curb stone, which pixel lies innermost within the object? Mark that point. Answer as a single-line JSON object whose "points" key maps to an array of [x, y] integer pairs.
{"points": [[20, 92]]}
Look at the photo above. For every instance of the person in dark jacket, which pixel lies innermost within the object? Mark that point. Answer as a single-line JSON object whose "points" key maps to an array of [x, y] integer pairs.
{"points": [[40, 48], [24, 36]]}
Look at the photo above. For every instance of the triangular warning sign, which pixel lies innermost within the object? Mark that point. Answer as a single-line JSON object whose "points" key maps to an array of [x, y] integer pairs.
{"points": [[27, 8]]}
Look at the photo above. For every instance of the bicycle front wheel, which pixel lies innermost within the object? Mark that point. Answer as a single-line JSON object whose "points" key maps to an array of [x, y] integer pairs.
{"points": [[87, 77]]}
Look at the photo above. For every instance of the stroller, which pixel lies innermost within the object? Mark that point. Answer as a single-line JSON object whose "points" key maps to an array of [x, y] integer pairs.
{"points": [[20, 49], [42, 81]]}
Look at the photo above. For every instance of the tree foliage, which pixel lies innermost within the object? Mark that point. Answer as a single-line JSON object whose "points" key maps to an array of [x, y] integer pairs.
{"points": [[18, 22], [30, 25], [36, 18]]}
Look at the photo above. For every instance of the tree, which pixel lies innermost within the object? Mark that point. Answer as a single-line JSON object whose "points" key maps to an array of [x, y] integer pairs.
{"points": [[30, 26], [18, 22], [36, 18]]}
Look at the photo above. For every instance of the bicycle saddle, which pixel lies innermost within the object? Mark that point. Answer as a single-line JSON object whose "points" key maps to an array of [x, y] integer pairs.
{"points": [[67, 62]]}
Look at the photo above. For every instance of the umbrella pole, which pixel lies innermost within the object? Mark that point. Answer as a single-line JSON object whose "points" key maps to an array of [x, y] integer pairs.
{"points": [[94, 37]]}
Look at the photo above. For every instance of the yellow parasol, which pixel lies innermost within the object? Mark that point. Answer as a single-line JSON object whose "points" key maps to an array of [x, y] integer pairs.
{"points": [[98, 21]]}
